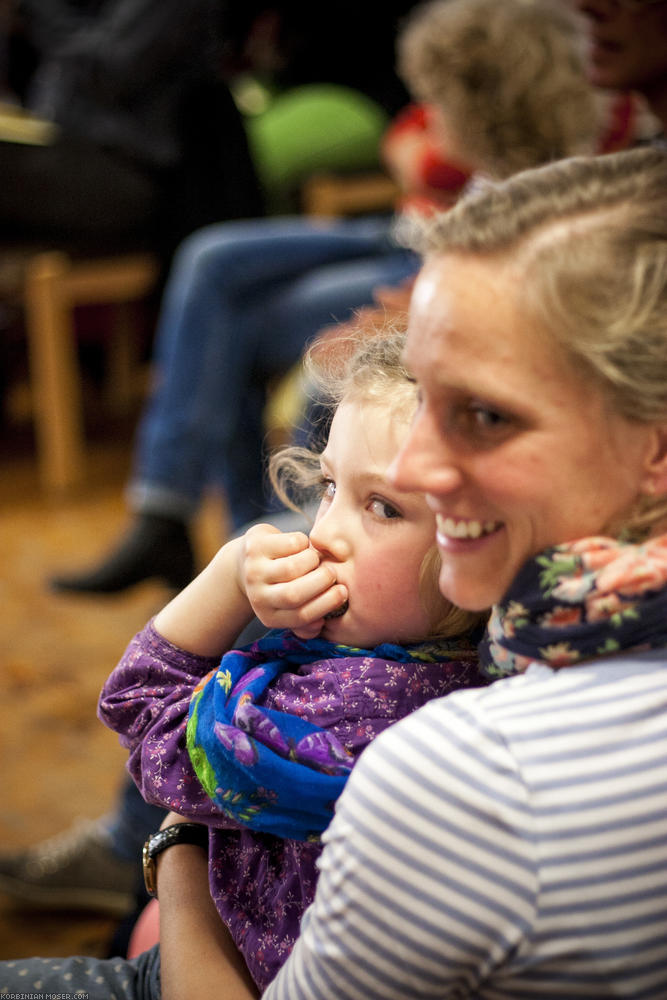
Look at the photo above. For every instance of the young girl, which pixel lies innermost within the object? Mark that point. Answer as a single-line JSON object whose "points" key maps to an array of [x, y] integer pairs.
{"points": [[273, 730]]}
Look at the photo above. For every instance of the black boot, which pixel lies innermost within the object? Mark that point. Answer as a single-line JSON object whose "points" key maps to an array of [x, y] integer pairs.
{"points": [[154, 547]]}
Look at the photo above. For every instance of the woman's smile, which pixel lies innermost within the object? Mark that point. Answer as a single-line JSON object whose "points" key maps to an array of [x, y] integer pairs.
{"points": [[451, 529]]}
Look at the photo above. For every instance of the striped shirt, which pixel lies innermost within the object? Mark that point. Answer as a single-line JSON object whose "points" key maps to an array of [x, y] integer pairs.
{"points": [[506, 842]]}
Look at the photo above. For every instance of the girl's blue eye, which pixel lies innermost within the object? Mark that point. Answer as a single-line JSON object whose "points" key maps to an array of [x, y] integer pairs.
{"points": [[484, 417], [327, 488]]}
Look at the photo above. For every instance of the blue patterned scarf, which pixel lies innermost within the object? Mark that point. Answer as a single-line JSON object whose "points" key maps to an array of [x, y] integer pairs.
{"points": [[580, 601], [268, 770]]}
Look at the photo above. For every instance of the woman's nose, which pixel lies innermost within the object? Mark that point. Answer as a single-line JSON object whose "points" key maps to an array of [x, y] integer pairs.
{"points": [[329, 535], [426, 463]]}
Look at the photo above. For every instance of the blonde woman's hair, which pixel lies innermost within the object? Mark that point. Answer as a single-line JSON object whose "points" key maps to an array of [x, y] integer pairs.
{"points": [[367, 368], [588, 238], [508, 76]]}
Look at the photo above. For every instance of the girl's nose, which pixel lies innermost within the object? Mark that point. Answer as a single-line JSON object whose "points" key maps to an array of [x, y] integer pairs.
{"points": [[426, 463], [329, 536]]}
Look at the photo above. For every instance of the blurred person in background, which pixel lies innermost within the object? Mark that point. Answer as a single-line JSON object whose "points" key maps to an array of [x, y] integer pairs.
{"points": [[148, 144], [627, 49], [243, 299]]}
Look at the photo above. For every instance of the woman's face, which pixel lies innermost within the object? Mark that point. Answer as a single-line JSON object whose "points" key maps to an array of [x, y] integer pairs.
{"points": [[513, 449]]}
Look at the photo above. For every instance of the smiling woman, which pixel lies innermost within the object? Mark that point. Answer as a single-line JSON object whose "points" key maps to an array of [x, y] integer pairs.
{"points": [[509, 841]]}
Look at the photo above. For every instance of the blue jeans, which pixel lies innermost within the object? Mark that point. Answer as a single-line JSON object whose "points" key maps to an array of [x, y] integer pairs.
{"points": [[242, 301]]}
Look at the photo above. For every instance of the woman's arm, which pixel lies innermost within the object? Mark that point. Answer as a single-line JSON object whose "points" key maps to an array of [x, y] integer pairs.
{"points": [[428, 879], [197, 955]]}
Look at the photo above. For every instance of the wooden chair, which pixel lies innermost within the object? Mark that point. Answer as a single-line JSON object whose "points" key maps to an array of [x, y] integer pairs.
{"points": [[330, 194], [53, 286]]}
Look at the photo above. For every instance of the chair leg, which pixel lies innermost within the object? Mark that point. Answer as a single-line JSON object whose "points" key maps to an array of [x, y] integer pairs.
{"points": [[55, 376], [122, 361]]}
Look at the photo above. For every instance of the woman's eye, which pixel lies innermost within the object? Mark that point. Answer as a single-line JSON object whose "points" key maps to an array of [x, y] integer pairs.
{"points": [[382, 508]]}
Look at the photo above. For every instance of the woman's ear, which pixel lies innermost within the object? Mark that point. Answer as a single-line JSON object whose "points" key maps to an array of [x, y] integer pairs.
{"points": [[655, 478]]}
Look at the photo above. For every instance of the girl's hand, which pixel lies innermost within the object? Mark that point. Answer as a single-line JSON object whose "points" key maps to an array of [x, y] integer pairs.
{"points": [[284, 581]]}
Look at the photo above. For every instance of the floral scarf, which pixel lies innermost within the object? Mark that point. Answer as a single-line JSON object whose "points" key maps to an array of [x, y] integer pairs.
{"points": [[580, 601], [269, 770]]}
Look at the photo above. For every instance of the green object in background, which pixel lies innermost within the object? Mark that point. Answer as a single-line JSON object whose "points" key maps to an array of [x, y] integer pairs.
{"points": [[312, 127]]}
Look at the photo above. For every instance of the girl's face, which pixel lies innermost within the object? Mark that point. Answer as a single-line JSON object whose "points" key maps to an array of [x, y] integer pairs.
{"points": [[373, 536], [514, 450]]}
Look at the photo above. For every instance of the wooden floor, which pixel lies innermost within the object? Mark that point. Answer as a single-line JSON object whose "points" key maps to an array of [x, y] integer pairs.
{"points": [[57, 762]]}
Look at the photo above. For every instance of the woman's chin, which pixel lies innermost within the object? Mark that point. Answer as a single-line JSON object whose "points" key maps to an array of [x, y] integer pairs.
{"points": [[468, 594]]}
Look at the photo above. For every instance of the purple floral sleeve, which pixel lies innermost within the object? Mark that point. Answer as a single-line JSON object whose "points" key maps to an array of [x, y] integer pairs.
{"points": [[146, 701]]}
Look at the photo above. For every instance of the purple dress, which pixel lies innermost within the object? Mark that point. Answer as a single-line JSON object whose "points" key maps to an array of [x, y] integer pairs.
{"points": [[261, 884]]}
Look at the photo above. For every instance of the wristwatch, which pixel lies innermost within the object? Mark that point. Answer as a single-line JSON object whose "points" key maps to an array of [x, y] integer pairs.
{"points": [[178, 833]]}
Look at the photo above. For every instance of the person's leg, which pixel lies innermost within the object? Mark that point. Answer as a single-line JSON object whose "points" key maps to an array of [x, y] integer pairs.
{"points": [[74, 869], [84, 976], [211, 329], [95, 864]]}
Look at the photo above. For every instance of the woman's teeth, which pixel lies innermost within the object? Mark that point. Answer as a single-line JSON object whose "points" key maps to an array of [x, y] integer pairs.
{"points": [[464, 529]]}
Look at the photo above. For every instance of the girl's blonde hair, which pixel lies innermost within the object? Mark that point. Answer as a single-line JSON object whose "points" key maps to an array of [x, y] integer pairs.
{"points": [[588, 237], [368, 368], [508, 76]]}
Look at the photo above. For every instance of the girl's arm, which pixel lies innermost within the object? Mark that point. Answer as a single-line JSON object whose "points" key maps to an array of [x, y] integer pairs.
{"points": [[146, 700], [273, 574], [147, 697], [207, 616]]}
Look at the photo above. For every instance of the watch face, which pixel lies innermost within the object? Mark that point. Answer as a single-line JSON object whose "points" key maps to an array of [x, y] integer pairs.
{"points": [[150, 870]]}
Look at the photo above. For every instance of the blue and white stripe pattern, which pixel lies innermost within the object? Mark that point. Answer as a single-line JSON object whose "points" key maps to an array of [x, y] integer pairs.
{"points": [[506, 843]]}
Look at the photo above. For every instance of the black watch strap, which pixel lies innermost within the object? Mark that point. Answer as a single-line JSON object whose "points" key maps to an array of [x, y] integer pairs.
{"points": [[177, 833]]}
